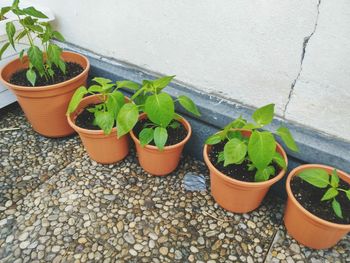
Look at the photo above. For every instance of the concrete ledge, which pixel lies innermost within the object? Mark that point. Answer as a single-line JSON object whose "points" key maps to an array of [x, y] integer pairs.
{"points": [[315, 147]]}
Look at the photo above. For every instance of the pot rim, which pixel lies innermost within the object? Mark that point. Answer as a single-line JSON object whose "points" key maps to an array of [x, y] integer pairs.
{"points": [[170, 147], [42, 88], [291, 197], [71, 120], [242, 183]]}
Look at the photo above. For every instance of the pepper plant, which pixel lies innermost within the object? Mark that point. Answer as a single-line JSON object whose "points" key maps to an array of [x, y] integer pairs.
{"points": [[112, 100], [321, 179], [160, 109], [259, 149], [41, 60]]}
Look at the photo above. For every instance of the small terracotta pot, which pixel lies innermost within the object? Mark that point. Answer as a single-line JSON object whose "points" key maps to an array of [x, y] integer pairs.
{"points": [[45, 106], [158, 162], [307, 228], [103, 148], [235, 195]]}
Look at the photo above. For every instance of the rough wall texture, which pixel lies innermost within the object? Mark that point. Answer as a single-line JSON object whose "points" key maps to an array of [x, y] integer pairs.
{"points": [[293, 53]]}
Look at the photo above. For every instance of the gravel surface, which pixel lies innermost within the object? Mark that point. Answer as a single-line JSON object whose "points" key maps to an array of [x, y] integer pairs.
{"points": [[56, 205]]}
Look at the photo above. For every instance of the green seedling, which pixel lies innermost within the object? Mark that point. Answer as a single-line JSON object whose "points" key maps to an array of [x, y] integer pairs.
{"points": [[321, 179], [112, 101], [160, 109], [259, 149], [41, 60]]}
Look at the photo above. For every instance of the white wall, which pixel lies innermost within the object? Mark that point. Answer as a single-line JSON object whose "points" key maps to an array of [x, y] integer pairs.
{"points": [[246, 50]]}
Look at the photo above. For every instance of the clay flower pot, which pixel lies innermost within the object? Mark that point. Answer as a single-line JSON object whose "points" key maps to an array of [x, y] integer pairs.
{"points": [[158, 162], [307, 228], [235, 195], [45, 106], [103, 148]]}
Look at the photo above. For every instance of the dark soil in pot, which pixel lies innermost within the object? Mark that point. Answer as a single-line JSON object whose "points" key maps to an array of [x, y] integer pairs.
{"points": [[235, 171], [85, 119], [72, 70], [174, 135], [310, 196]]}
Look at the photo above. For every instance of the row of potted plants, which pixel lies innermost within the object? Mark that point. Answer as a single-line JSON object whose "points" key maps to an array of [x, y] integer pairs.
{"points": [[244, 160]]}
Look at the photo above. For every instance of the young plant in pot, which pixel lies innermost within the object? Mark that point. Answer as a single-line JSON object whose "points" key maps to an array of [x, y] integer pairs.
{"points": [[94, 118], [44, 77], [245, 161], [159, 134], [318, 206]]}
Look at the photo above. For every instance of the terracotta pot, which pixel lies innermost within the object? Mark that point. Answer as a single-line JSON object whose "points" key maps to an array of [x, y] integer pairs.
{"points": [[307, 228], [158, 162], [45, 106], [103, 148], [235, 195]]}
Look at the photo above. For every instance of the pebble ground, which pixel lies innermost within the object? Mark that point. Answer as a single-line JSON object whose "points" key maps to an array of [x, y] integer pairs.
{"points": [[56, 205]]}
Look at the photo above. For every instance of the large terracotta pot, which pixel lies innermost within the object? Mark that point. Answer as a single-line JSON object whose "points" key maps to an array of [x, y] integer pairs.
{"points": [[101, 147], [158, 162], [307, 228], [235, 195], [45, 106]]}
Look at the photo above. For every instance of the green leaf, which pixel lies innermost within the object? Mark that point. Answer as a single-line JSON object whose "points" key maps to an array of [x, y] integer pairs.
{"points": [[189, 105], [235, 150], [278, 158], [221, 157], [36, 58], [251, 167], [264, 115], [15, 3], [3, 49], [238, 123], [28, 21], [264, 174], [174, 125], [127, 118], [104, 120], [95, 89], [34, 12], [36, 28], [54, 53], [160, 109], [336, 208], [287, 138], [348, 194], [213, 139], [58, 36], [115, 102], [334, 179], [21, 55], [160, 137], [76, 98], [5, 10], [234, 134], [261, 149], [316, 177], [128, 85], [10, 30], [20, 35], [102, 81], [161, 83], [330, 193], [62, 66], [31, 76], [250, 126], [146, 136], [17, 11]]}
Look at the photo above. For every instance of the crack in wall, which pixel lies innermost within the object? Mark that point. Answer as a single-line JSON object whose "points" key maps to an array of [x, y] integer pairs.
{"points": [[303, 52]]}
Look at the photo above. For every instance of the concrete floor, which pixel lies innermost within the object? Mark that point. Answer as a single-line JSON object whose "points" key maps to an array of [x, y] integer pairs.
{"points": [[56, 205]]}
